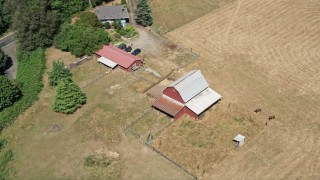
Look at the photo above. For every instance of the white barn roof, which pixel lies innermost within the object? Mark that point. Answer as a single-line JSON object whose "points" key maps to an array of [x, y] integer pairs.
{"points": [[190, 85], [107, 62], [202, 101]]}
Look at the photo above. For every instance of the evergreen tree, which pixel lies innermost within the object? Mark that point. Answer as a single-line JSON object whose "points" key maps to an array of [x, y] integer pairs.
{"points": [[58, 73], [68, 97], [9, 93], [143, 13], [35, 23], [3, 60]]}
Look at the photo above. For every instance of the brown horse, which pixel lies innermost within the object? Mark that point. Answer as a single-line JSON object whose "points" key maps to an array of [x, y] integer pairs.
{"points": [[257, 110], [272, 117]]}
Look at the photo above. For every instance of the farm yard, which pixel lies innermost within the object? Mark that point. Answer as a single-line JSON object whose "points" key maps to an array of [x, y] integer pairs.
{"points": [[61, 143], [256, 54]]}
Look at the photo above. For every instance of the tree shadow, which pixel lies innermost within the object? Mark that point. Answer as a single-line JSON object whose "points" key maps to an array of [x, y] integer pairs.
{"points": [[9, 64]]}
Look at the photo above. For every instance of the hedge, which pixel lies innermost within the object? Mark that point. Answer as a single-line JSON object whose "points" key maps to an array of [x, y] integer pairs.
{"points": [[30, 71]]}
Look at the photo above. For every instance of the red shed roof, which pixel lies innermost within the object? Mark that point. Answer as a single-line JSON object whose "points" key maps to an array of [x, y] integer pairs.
{"points": [[168, 105], [117, 55]]}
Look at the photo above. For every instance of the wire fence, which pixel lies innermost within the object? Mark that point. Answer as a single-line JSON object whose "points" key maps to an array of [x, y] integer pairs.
{"points": [[95, 79], [172, 161]]}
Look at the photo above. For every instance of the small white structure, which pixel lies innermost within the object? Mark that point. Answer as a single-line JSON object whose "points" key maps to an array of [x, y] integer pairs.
{"points": [[239, 139]]}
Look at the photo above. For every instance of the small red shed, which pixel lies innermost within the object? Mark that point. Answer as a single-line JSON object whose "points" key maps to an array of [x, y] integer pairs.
{"points": [[112, 56], [190, 95]]}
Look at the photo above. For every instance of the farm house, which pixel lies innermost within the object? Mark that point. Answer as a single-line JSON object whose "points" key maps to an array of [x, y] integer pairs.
{"points": [[113, 57], [189, 95], [112, 13]]}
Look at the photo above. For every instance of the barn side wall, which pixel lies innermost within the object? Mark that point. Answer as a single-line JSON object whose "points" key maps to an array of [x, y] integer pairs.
{"points": [[173, 93], [186, 110]]}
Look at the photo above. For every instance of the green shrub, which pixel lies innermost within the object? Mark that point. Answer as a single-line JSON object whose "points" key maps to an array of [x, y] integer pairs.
{"points": [[107, 25], [30, 70], [117, 25], [129, 31], [98, 161], [3, 60]]}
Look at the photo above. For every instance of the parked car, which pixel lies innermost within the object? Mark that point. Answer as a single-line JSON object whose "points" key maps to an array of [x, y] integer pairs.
{"points": [[136, 51], [128, 49], [122, 46]]}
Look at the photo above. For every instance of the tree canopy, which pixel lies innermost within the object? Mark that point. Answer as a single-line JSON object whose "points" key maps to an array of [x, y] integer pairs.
{"points": [[9, 93], [5, 17], [143, 13], [35, 23], [58, 73], [81, 41], [68, 97], [88, 19], [65, 9]]}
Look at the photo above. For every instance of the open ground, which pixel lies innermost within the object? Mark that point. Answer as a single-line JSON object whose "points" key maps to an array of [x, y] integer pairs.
{"points": [[256, 54]]}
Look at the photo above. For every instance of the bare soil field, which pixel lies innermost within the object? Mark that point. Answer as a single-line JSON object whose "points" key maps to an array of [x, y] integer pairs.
{"points": [[256, 54], [169, 14]]}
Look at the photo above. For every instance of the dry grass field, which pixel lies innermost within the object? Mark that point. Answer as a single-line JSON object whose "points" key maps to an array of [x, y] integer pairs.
{"points": [[169, 14], [255, 54], [49, 145]]}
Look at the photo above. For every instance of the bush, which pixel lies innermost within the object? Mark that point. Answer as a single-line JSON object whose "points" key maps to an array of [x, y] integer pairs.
{"points": [[117, 25], [107, 25], [68, 97], [58, 73], [123, 2], [128, 31], [81, 41], [9, 93], [30, 70], [88, 19]]}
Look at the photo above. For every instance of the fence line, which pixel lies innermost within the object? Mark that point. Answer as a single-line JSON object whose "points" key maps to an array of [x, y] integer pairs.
{"points": [[94, 80], [82, 60], [172, 161]]}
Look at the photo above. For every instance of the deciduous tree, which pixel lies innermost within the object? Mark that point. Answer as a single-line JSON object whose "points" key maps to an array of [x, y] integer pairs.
{"points": [[88, 19], [81, 41], [9, 93], [35, 23]]}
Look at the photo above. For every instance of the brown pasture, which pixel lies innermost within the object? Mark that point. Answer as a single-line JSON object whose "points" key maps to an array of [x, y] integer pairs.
{"points": [[257, 54]]}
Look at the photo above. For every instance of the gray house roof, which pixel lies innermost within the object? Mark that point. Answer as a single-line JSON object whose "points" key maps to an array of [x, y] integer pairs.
{"points": [[190, 85], [111, 12]]}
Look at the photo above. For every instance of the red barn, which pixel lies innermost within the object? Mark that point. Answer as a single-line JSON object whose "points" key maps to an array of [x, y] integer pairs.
{"points": [[190, 95], [112, 57]]}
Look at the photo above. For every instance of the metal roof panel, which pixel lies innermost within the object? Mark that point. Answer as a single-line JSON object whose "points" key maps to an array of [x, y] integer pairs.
{"points": [[203, 100], [190, 85]]}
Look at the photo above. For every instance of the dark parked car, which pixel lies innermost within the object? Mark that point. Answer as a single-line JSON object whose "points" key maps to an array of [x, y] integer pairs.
{"points": [[128, 49], [136, 51], [122, 46]]}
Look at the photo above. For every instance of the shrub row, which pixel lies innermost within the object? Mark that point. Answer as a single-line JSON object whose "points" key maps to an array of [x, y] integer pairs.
{"points": [[30, 70]]}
